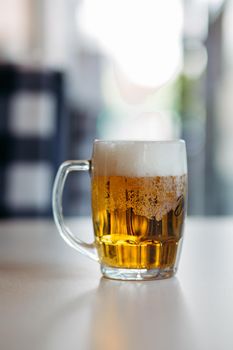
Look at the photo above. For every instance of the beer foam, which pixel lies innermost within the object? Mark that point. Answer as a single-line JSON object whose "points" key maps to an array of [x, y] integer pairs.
{"points": [[139, 158]]}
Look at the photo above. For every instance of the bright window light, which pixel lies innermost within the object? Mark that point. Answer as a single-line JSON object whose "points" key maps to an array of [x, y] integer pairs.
{"points": [[144, 38]]}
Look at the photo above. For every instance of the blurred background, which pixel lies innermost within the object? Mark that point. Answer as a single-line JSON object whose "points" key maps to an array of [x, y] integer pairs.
{"points": [[75, 70]]}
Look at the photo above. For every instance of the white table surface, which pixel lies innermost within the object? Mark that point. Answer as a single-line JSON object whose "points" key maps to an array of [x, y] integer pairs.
{"points": [[53, 298]]}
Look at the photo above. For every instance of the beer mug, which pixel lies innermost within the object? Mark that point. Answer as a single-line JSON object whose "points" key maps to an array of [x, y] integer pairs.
{"points": [[139, 193]]}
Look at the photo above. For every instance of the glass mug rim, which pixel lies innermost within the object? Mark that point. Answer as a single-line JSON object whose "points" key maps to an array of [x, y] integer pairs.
{"points": [[177, 206], [175, 141]]}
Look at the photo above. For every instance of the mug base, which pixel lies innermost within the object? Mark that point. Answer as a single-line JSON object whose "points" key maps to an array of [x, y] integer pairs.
{"points": [[137, 274]]}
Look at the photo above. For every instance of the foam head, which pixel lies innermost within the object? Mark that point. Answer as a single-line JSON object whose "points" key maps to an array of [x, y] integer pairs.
{"points": [[139, 158]]}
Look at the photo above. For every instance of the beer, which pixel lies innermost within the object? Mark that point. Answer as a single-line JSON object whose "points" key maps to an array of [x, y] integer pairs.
{"points": [[138, 221], [138, 207]]}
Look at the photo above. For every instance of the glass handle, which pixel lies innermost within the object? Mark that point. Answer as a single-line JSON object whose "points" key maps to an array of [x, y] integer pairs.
{"points": [[87, 249]]}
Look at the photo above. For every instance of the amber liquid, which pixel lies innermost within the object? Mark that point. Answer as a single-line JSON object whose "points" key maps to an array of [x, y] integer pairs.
{"points": [[138, 222]]}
